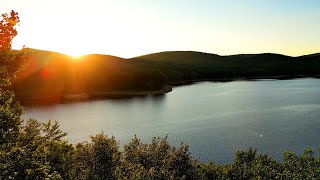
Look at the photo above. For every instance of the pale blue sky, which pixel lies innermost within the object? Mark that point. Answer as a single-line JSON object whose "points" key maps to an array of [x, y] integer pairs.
{"points": [[129, 28]]}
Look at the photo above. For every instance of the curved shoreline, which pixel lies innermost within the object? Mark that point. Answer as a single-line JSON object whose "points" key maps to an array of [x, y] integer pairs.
{"points": [[97, 94], [111, 94], [279, 77], [127, 94]]}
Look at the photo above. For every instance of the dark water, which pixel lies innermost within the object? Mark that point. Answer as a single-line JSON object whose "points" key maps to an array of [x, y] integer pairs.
{"points": [[215, 119]]}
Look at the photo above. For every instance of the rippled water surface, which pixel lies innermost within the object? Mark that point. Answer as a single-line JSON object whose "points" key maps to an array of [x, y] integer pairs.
{"points": [[214, 119]]}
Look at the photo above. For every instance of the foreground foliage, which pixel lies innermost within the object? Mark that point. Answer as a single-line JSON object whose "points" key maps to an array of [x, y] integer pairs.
{"points": [[38, 151]]}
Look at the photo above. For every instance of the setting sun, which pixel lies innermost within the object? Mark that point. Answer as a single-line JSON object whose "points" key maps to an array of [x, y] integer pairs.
{"points": [[76, 57], [129, 28], [75, 54]]}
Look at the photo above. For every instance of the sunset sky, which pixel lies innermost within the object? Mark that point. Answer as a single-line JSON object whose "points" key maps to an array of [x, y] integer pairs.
{"points": [[129, 28]]}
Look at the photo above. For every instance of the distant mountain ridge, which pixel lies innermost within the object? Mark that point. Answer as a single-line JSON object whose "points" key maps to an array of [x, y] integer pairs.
{"points": [[55, 74], [32, 50], [188, 65], [243, 54]]}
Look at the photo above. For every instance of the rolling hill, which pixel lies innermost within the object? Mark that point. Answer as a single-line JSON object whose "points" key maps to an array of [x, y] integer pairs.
{"points": [[51, 74], [181, 66]]}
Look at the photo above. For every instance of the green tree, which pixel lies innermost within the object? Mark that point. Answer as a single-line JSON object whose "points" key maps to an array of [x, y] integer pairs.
{"points": [[28, 158], [158, 160], [96, 160]]}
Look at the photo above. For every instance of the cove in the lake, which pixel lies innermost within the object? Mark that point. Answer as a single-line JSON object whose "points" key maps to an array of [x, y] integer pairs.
{"points": [[214, 119]]}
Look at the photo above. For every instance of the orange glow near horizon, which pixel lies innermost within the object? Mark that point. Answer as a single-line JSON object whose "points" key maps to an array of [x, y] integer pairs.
{"points": [[127, 28], [75, 54]]}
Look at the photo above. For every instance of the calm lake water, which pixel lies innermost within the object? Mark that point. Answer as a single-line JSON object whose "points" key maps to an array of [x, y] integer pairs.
{"points": [[214, 119]]}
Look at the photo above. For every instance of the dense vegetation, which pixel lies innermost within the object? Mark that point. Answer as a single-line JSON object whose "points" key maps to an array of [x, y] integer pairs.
{"points": [[186, 65], [34, 150], [52, 74], [37, 151]]}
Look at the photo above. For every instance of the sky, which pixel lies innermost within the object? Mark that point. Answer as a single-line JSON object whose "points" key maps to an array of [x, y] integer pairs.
{"points": [[129, 28]]}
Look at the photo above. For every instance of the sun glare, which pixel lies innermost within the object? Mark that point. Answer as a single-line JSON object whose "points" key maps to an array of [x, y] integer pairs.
{"points": [[75, 54]]}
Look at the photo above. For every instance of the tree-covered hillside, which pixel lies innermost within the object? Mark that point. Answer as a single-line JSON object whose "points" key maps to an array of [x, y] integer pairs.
{"points": [[188, 65], [51, 74]]}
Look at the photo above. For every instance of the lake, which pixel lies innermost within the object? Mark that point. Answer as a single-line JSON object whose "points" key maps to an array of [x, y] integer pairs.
{"points": [[214, 118]]}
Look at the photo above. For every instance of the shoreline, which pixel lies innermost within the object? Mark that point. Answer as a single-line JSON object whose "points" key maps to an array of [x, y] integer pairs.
{"points": [[92, 95], [65, 98], [279, 77], [116, 94]]}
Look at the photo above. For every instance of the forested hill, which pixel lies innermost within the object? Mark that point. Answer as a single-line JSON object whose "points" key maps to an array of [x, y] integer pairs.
{"points": [[52, 74], [188, 65]]}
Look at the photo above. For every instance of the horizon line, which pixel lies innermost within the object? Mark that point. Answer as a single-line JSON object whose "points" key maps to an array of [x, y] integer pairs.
{"points": [[172, 51]]}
